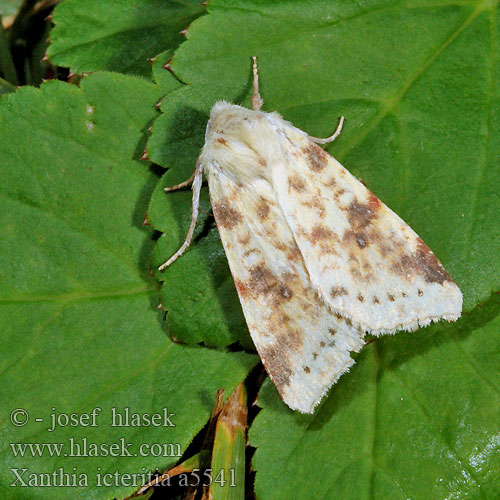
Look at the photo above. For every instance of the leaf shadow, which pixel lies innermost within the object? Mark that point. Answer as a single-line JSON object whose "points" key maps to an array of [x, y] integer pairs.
{"points": [[398, 350], [139, 220], [139, 215]]}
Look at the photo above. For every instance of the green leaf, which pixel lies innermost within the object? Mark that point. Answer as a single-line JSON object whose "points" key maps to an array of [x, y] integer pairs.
{"points": [[165, 79], [115, 35], [416, 417], [79, 320]]}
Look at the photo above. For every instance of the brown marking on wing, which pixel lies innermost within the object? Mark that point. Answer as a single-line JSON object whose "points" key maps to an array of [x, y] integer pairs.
{"points": [[316, 204], [422, 262], [320, 233], [283, 319], [331, 182], [364, 232], [263, 209], [301, 231], [359, 238], [280, 245], [250, 251], [242, 288], [361, 215], [274, 357], [305, 306], [269, 233], [355, 272], [277, 365], [328, 250], [294, 254], [245, 240], [226, 216], [373, 201], [383, 248], [296, 183], [263, 282], [432, 269], [290, 276], [221, 140], [317, 157], [338, 291], [323, 239], [285, 292]]}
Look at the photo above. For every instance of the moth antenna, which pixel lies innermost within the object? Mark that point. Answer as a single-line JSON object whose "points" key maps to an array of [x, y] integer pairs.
{"points": [[318, 140], [181, 185], [197, 180], [257, 100]]}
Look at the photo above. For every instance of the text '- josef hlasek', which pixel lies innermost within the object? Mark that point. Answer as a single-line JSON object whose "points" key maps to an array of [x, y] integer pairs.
{"points": [[114, 417]]}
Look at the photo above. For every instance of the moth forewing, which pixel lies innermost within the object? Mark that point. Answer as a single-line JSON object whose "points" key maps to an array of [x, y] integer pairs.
{"points": [[363, 259]]}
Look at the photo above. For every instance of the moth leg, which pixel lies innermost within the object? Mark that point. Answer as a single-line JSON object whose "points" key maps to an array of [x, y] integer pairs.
{"points": [[318, 140], [197, 180], [257, 100], [180, 185]]}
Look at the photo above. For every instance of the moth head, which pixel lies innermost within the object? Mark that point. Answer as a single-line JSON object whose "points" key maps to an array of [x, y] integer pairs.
{"points": [[228, 119]]}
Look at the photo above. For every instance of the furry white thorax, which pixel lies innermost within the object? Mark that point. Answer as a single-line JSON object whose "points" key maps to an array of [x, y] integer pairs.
{"points": [[251, 137]]}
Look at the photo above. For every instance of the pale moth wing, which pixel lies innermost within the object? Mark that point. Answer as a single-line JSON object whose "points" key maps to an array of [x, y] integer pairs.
{"points": [[316, 258], [363, 259]]}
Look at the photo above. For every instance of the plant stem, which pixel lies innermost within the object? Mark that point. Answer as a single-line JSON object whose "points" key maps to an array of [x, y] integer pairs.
{"points": [[6, 62]]}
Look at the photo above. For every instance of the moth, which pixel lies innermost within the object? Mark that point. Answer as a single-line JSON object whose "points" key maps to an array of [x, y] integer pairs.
{"points": [[317, 259]]}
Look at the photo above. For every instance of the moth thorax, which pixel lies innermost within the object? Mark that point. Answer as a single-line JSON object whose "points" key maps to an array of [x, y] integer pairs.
{"points": [[239, 142]]}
